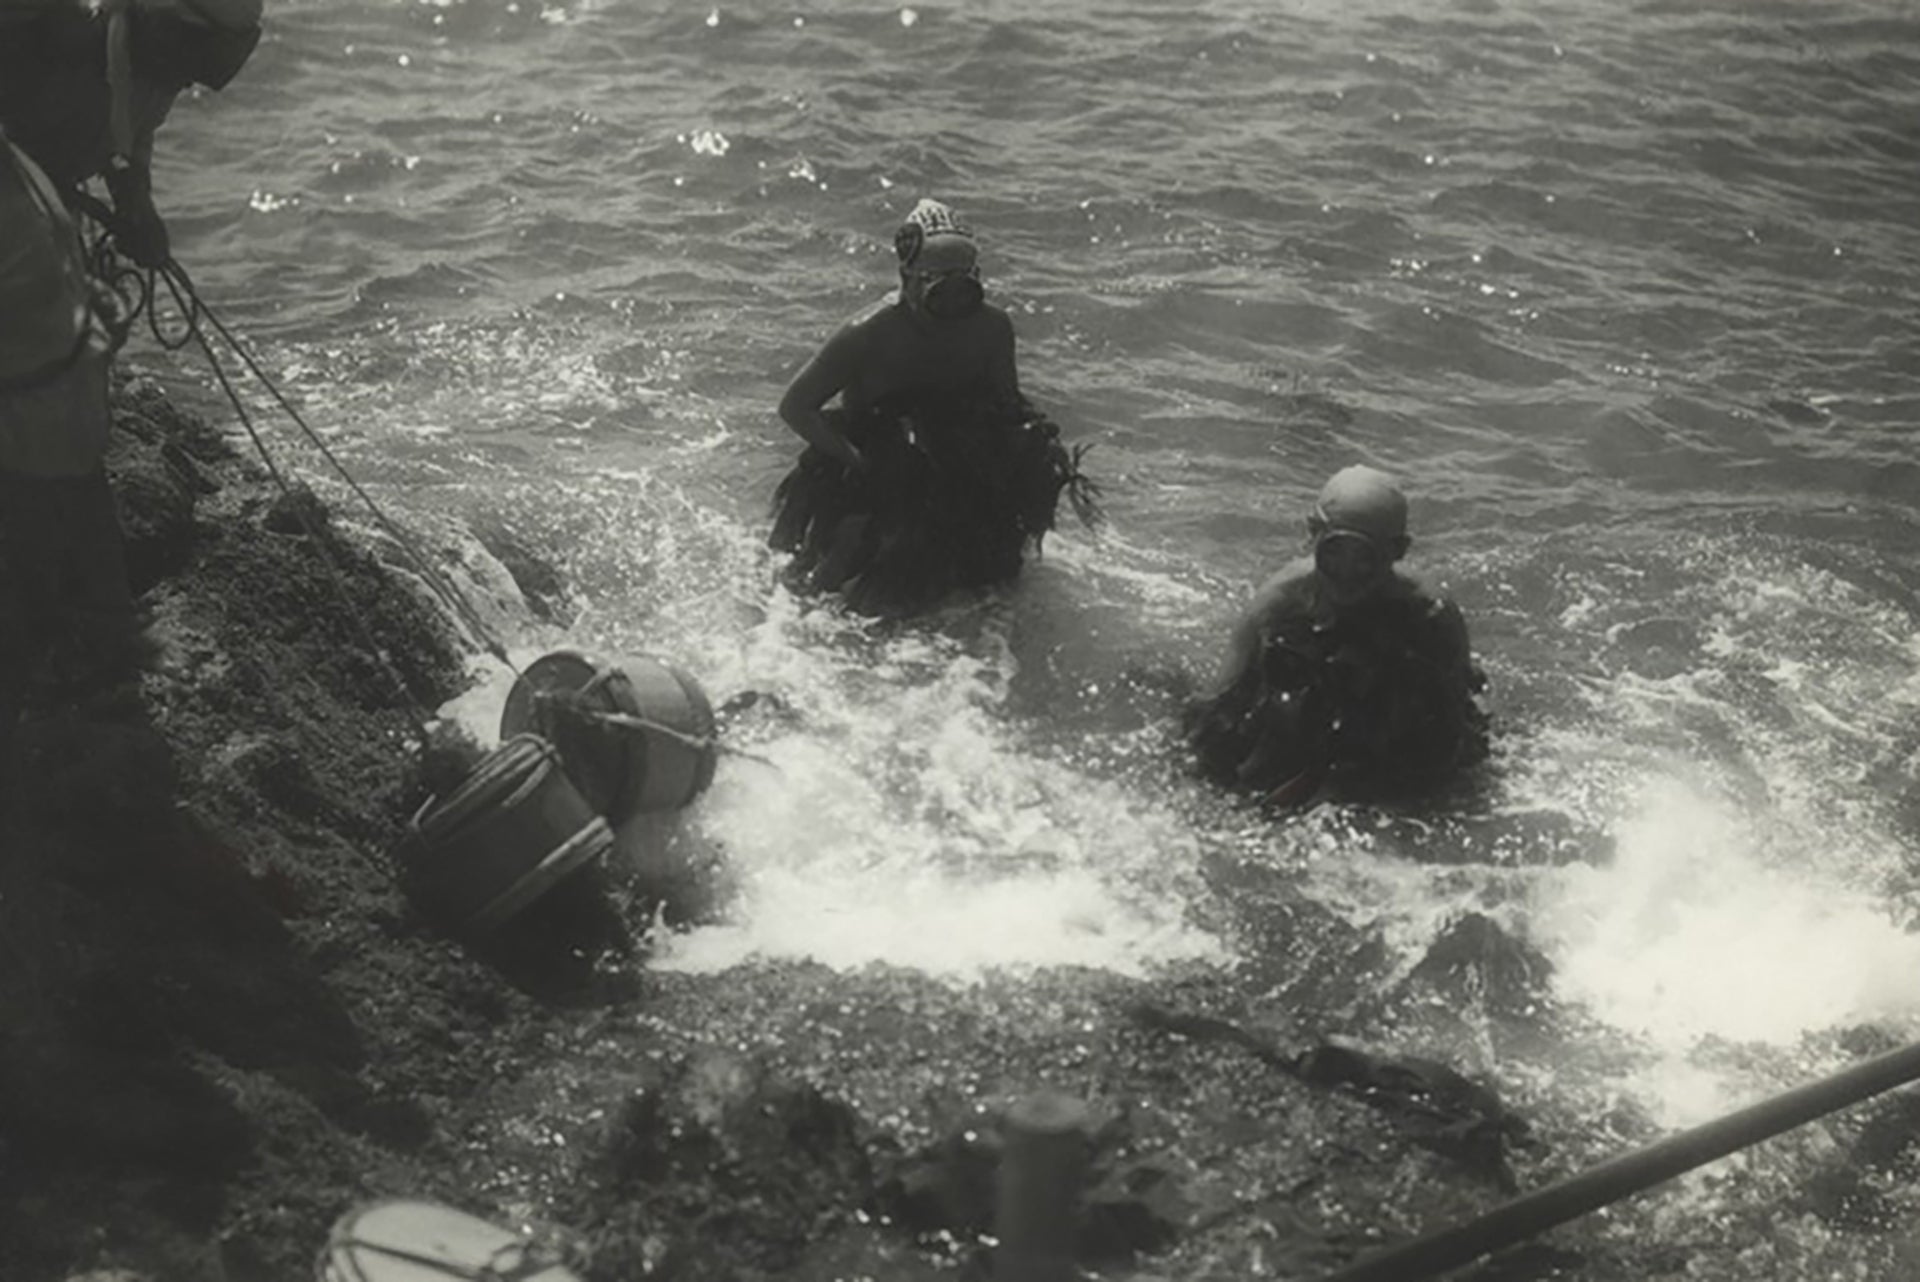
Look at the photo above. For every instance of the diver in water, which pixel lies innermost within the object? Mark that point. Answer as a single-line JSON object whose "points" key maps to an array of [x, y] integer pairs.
{"points": [[933, 472], [1344, 671]]}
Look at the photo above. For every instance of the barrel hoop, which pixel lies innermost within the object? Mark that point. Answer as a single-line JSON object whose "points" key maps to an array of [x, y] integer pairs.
{"points": [[564, 858], [549, 760], [471, 806]]}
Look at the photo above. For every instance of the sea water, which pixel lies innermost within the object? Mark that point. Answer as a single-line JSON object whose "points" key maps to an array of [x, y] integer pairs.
{"points": [[1627, 295]]}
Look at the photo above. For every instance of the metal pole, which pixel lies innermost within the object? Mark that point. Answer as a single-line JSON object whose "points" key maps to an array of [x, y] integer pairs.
{"points": [[1630, 1173], [1041, 1168]]}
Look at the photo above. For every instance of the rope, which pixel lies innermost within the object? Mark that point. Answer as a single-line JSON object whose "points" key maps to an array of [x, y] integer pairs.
{"points": [[646, 725], [443, 587], [410, 701], [123, 279], [136, 290], [509, 1262]]}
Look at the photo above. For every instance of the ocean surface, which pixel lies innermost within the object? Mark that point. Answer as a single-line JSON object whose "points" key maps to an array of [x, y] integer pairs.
{"points": [[1627, 295]]}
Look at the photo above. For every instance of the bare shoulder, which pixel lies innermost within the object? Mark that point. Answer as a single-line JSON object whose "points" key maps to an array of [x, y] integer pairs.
{"points": [[862, 333], [881, 314]]}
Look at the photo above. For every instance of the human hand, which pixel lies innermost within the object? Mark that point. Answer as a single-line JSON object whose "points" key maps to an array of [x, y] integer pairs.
{"points": [[113, 311], [145, 240], [141, 234]]}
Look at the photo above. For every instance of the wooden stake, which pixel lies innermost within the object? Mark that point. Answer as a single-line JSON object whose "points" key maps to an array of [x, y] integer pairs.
{"points": [[1041, 1170]]}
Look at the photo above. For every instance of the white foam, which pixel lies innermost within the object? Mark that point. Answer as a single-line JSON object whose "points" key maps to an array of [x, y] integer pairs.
{"points": [[1700, 927], [903, 822]]}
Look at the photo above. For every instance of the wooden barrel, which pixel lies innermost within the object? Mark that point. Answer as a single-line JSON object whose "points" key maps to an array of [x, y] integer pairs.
{"points": [[398, 1240], [514, 828], [636, 735]]}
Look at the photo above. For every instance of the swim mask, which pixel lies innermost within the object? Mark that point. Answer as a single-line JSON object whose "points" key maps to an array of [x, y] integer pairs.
{"points": [[953, 294], [1359, 529], [1350, 560]]}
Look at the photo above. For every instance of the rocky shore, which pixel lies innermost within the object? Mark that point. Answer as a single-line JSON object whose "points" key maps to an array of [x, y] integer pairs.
{"points": [[223, 1024]]}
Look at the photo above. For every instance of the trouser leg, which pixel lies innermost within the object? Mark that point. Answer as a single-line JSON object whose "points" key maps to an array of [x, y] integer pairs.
{"points": [[67, 571], [98, 597], [22, 647]]}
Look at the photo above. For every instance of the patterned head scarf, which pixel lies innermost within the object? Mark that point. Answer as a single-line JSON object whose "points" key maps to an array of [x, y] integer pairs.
{"points": [[929, 219]]}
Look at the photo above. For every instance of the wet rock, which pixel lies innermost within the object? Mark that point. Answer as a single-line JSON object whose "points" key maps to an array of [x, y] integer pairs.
{"points": [[194, 966], [949, 1185], [192, 474], [1531, 1262], [1477, 963], [299, 512], [1130, 1204], [1433, 1104], [1851, 1192], [1135, 1207], [273, 766], [156, 513], [717, 1168], [434, 553], [322, 633], [145, 410], [1865, 1040], [540, 581]]}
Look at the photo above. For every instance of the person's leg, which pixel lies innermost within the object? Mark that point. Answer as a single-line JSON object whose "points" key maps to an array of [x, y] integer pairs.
{"points": [[70, 599], [95, 593], [25, 613]]}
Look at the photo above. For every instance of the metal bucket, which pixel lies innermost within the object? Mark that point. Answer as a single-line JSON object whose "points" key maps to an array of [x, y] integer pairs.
{"points": [[636, 736], [512, 830]]}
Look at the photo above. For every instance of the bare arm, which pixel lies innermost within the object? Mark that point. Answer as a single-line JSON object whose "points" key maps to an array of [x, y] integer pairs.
{"points": [[824, 377], [1003, 373], [129, 175], [1454, 652]]}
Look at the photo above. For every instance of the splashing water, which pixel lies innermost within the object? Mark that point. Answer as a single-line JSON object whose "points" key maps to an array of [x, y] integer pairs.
{"points": [[889, 811], [904, 822], [1697, 928]]}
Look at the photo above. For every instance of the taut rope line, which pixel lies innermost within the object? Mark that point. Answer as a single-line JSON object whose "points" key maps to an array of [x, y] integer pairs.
{"points": [[194, 310]]}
